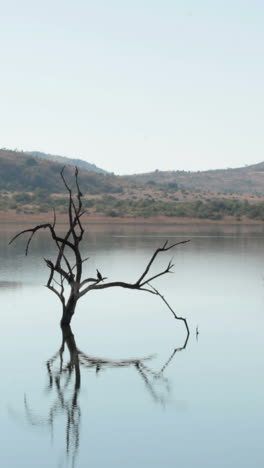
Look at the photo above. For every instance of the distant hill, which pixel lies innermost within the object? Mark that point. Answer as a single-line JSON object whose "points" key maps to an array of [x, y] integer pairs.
{"points": [[242, 180], [68, 161], [23, 172], [32, 184]]}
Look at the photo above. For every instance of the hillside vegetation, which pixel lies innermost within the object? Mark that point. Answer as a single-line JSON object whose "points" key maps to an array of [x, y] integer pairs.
{"points": [[31, 184], [249, 179], [23, 172], [68, 161]]}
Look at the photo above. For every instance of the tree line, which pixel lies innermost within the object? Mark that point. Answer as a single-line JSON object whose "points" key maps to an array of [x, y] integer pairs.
{"points": [[109, 205]]}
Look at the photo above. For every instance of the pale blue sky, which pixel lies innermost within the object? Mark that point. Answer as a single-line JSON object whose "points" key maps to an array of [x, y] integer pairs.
{"points": [[132, 85]]}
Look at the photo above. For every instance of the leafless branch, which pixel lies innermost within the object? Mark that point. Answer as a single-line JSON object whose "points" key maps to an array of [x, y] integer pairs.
{"points": [[157, 251], [70, 267], [170, 308], [139, 284]]}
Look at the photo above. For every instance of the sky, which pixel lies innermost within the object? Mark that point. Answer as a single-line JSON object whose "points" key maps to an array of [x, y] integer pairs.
{"points": [[134, 85]]}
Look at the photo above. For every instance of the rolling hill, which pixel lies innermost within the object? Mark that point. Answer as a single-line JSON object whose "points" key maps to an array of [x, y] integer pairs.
{"points": [[248, 179], [20, 171], [32, 184], [68, 161], [28, 171]]}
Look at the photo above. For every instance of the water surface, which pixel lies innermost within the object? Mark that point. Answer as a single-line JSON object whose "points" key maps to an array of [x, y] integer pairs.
{"points": [[137, 402]]}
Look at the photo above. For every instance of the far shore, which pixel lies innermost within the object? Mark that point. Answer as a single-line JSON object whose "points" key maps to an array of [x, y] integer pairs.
{"points": [[10, 220]]}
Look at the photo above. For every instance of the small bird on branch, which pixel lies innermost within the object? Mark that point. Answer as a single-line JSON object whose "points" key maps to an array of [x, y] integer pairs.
{"points": [[49, 263], [99, 276]]}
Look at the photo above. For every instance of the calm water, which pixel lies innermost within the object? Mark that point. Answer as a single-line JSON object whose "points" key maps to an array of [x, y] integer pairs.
{"points": [[137, 402]]}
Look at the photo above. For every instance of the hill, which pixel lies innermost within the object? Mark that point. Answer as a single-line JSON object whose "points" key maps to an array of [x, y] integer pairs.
{"points": [[31, 185], [39, 170], [20, 171], [248, 179], [67, 161]]}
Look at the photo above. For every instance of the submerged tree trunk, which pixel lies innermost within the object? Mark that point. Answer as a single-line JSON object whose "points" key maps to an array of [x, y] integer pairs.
{"points": [[68, 310]]}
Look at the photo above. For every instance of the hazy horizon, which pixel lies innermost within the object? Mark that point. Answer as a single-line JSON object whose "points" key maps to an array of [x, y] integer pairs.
{"points": [[128, 173], [137, 86]]}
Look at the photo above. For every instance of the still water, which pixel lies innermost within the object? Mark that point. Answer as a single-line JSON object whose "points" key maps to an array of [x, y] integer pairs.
{"points": [[140, 395]]}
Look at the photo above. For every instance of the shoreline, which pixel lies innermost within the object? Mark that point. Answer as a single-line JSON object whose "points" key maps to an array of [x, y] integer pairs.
{"points": [[12, 219]]}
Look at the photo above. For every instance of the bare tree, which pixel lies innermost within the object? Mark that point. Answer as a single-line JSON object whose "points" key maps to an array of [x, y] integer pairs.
{"points": [[66, 272]]}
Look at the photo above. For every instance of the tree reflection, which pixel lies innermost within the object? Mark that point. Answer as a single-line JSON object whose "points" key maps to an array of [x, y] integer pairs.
{"points": [[64, 380]]}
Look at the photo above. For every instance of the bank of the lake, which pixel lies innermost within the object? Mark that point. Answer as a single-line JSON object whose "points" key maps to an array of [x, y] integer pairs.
{"points": [[11, 219]]}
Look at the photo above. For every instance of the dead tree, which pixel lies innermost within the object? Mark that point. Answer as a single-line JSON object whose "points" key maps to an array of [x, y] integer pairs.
{"points": [[66, 272]]}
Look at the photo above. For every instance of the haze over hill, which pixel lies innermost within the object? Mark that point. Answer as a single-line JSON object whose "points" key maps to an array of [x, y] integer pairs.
{"points": [[37, 169], [248, 179], [33, 184], [21, 171], [69, 161]]}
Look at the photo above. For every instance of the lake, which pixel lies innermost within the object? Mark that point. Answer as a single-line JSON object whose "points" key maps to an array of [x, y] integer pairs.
{"points": [[140, 396]]}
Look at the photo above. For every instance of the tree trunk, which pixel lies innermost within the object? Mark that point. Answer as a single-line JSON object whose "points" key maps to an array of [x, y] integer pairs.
{"points": [[68, 310]]}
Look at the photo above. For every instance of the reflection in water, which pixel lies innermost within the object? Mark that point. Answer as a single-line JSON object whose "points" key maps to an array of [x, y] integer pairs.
{"points": [[10, 284], [64, 379], [120, 425]]}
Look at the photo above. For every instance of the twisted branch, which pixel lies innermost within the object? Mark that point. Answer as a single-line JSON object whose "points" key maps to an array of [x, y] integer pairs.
{"points": [[71, 272]]}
